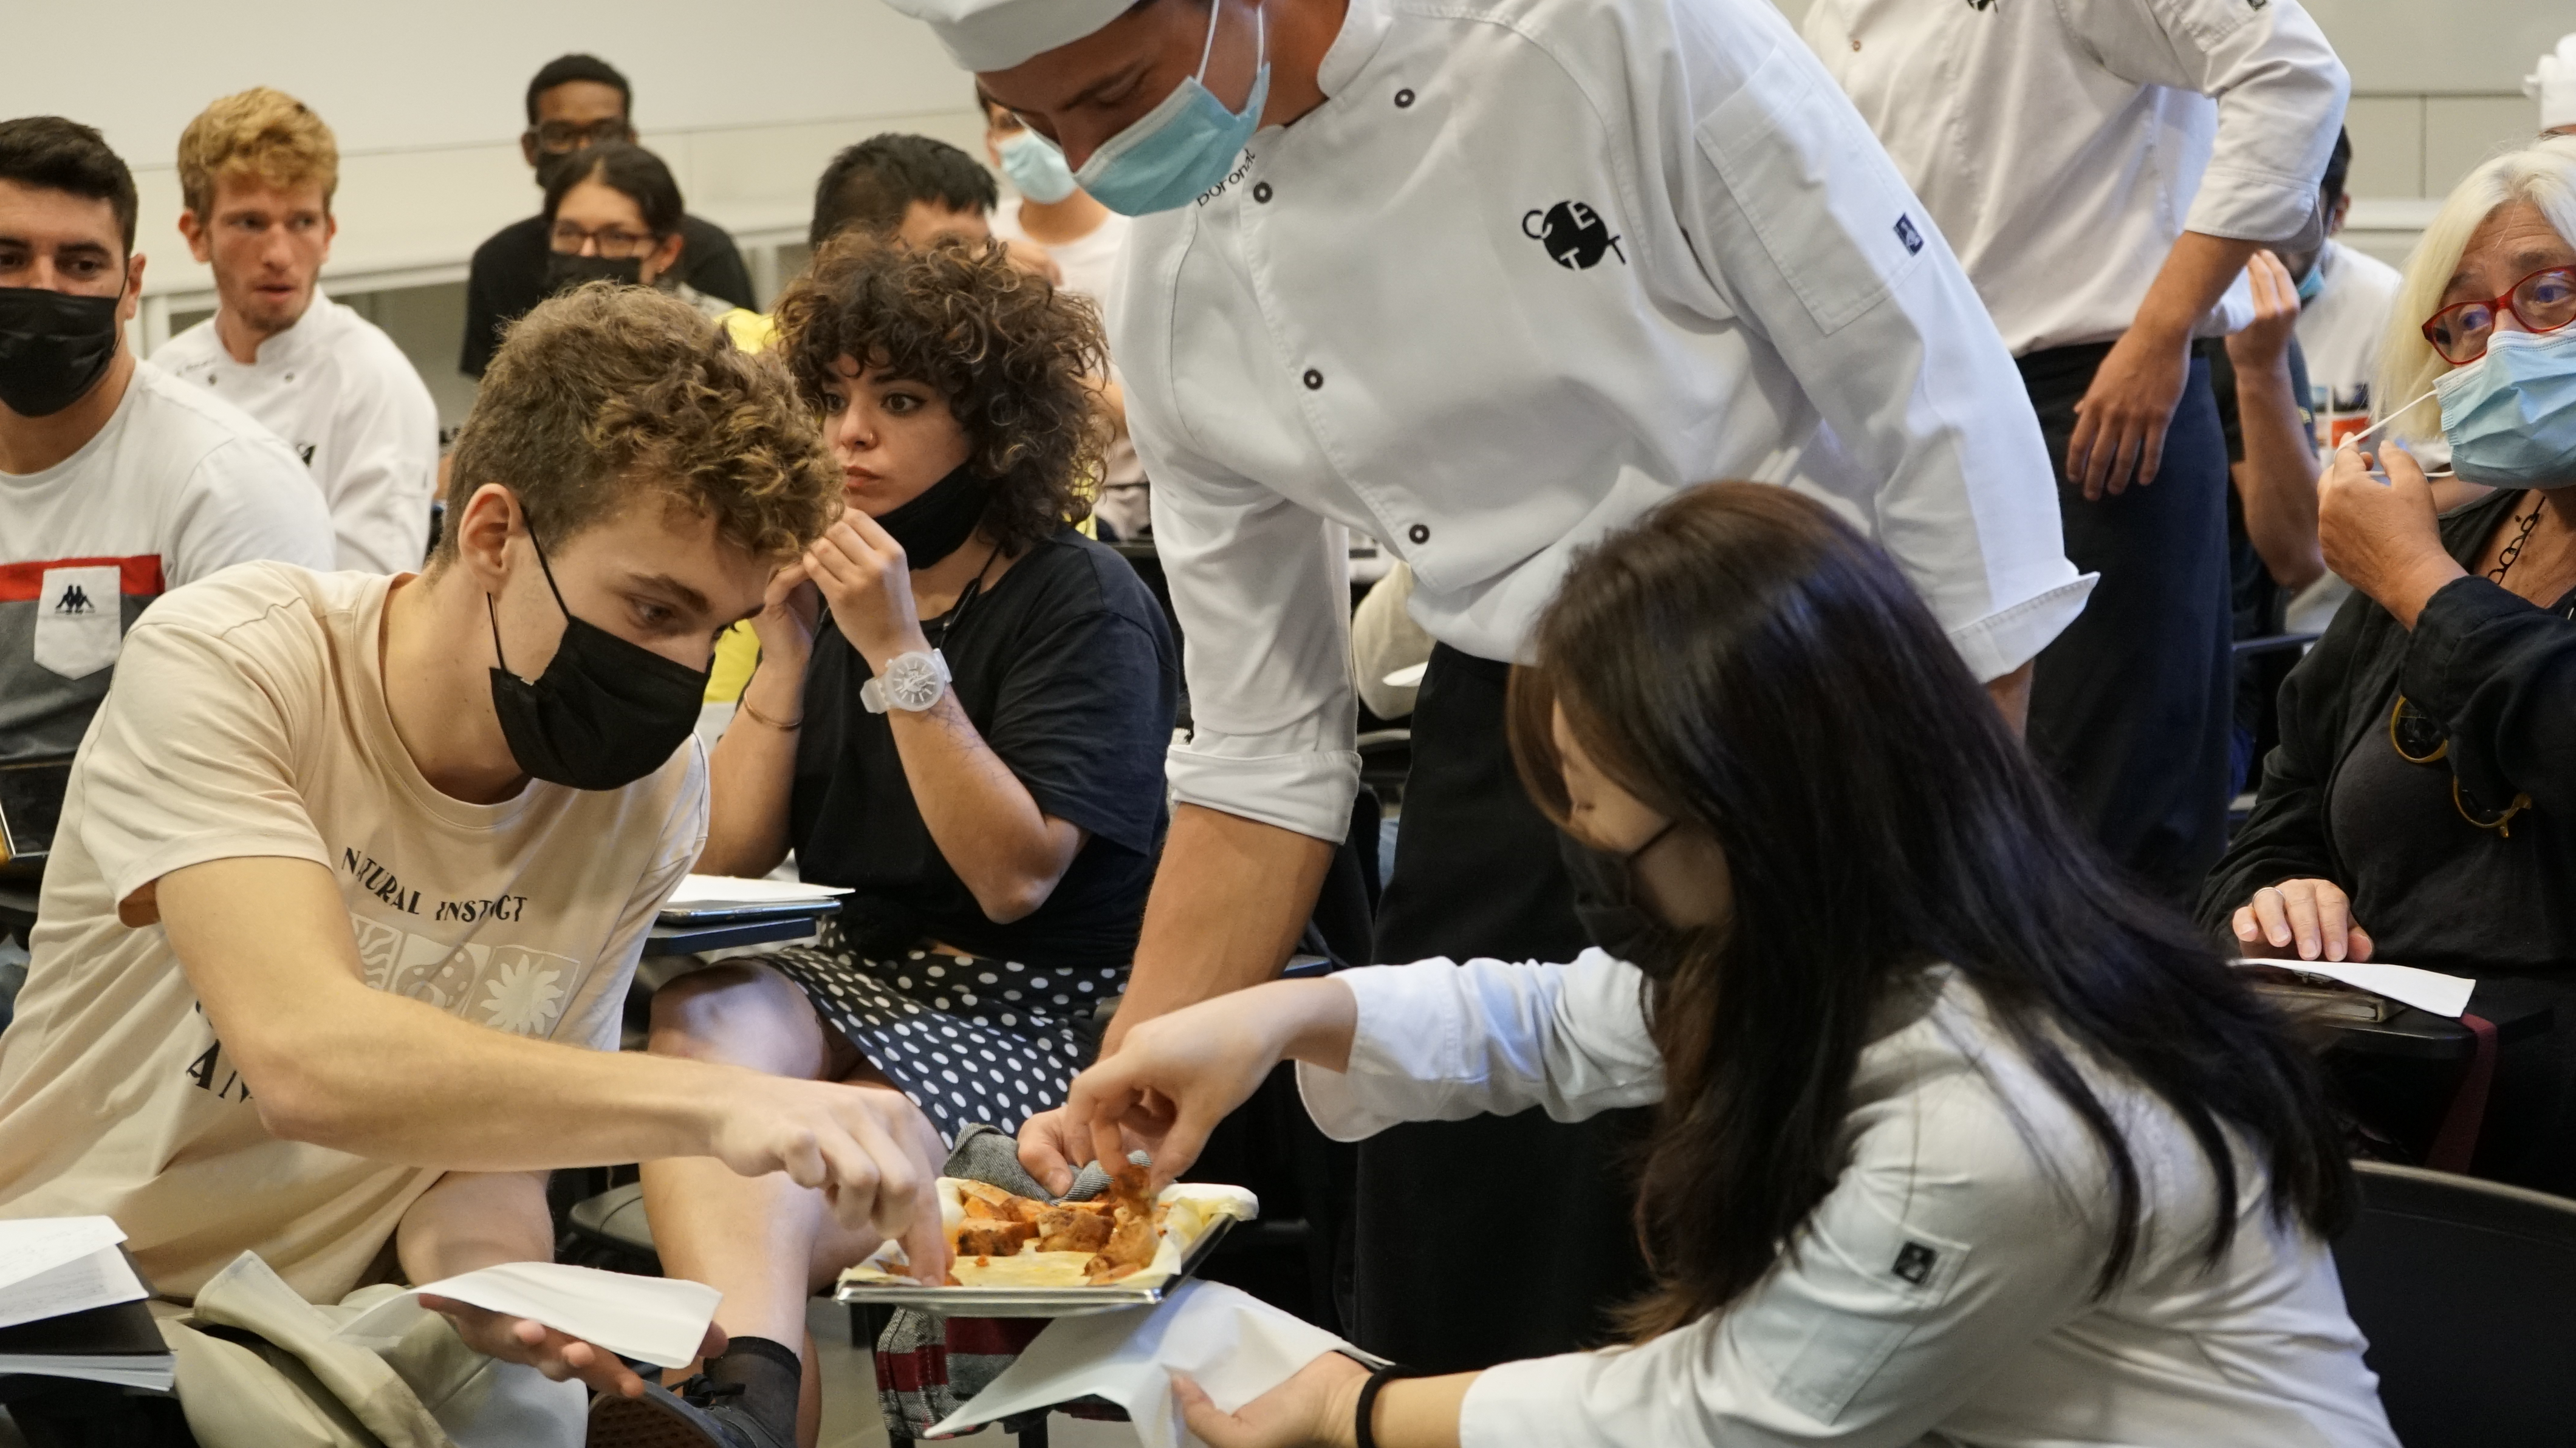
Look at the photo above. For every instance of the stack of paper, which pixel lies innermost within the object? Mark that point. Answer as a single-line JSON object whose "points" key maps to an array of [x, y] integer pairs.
{"points": [[703, 895], [71, 1305]]}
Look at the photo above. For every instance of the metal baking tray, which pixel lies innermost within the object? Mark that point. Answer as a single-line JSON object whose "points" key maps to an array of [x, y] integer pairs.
{"points": [[1033, 1301]]}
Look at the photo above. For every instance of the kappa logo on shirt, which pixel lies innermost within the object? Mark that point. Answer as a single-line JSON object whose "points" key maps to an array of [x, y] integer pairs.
{"points": [[1914, 1262], [75, 599], [1574, 234], [305, 451]]}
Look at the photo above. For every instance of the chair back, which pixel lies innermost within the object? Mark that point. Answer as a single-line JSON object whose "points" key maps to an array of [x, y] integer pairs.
{"points": [[2466, 1290]]}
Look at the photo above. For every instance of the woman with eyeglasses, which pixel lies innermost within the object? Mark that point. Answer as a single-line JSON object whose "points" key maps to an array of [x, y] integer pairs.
{"points": [[613, 213], [1956, 1137], [2419, 807]]}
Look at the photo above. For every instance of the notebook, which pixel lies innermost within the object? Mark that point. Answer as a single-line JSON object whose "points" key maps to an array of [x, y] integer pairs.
{"points": [[72, 1305]]}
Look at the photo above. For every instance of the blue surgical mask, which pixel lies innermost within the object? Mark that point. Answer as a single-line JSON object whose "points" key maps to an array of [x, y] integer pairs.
{"points": [[1037, 168], [2314, 282], [2510, 416], [1183, 147]]}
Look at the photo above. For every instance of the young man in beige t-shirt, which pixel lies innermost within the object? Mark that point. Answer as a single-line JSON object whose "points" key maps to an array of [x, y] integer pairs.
{"points": [[353, 871]]}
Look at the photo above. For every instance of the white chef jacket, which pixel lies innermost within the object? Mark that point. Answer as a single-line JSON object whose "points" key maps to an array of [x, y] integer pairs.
{"points": [[342, 395], [1942, 1290], [1531, 268], [2063, 146]]}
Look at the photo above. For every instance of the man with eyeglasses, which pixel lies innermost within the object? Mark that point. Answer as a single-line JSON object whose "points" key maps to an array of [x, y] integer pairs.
{"points": [[575, 102]]}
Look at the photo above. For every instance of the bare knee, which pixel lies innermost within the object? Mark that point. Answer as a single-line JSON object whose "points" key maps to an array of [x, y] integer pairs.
{"points": [[740, 1013]]}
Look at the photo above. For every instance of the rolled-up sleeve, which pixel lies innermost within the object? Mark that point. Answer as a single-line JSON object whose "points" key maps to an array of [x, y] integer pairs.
{"points": [[1436, 1041], [1807, 227], [1264, 606], [2280, 92]]}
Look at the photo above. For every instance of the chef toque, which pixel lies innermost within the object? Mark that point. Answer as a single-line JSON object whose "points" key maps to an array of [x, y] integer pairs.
{"points": [[983, 35], [2553, 84]]}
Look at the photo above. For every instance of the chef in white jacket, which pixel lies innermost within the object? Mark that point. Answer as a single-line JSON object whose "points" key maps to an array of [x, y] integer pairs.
{"points": [[2106, 168], [1484, 279]]}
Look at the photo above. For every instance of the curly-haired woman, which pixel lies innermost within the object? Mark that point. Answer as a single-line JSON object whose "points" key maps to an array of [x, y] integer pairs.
{"points": [[960, 714]]}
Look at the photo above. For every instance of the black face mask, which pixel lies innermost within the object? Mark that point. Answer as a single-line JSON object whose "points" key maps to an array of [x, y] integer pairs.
{"points": [[53, 348], [940, 521], [604, 714], [566, 270], [1606, 901]]}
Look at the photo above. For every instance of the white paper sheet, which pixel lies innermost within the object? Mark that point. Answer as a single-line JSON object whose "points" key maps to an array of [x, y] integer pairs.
{"points": [[155, 1371], [101, 1279], [659, 1320], [730, 890], [1408, 677], [1233, 1345], [2425, 990], [31, 1245]]}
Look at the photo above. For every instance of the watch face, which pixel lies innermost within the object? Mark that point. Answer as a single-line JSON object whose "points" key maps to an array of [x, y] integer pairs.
{"points": [[912, 682]]}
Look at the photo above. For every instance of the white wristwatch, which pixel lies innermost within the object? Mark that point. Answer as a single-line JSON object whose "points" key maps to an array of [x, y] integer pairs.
{"points": [[911, 682]]}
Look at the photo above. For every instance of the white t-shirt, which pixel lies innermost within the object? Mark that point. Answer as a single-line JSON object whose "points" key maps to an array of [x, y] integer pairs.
{"points": [[1093, 266], [343, 396], [2340, 331], [248, 718], [177, 485]]}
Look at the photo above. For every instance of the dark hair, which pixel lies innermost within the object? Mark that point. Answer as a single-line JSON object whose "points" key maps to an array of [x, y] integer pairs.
{"points": [[872, 184], [1745, 663], [2338, 166], [565, 69], [606, 393], [1014, 358], [60, 155], [625, 167]]}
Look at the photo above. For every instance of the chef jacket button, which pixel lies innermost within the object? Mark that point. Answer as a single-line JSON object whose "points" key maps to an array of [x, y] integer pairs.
{"points": [[1419, 533], [1314, 379], [1403, 98], [1855, 42], [1261, 192]]}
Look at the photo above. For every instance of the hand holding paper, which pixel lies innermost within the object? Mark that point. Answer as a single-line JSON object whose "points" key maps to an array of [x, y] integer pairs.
{"points": [[667, 1322]]}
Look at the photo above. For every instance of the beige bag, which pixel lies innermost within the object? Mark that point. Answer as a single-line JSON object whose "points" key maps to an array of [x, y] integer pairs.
{"points": [[258, 1367]]}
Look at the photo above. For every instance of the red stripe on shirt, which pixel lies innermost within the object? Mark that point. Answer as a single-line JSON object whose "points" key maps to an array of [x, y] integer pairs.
{"points": [[25, 582]]}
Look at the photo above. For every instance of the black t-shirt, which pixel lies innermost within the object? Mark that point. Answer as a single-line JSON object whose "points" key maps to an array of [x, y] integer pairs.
{"points": [[508, 277], [1066, 669]]}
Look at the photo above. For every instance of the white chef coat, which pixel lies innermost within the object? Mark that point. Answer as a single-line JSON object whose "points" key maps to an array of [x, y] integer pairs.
{"points": [[1533, 267], [342, 395], [2063, 146], [1942, 1290]]}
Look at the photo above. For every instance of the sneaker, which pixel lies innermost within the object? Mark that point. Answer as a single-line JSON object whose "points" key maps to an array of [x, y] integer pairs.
{"points": [[701, 1414]]}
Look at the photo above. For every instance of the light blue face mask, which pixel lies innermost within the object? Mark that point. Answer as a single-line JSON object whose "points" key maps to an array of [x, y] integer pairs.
{"points": [[2314, 282], [2510, 416], [1183, 147], [1037, 168]]}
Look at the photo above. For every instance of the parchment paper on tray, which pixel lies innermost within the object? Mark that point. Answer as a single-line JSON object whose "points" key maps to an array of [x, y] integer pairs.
{"points": [[1182, 1214]]}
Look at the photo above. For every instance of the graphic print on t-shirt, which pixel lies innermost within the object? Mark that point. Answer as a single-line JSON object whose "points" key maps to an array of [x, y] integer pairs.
{"points": [[505, 986]]}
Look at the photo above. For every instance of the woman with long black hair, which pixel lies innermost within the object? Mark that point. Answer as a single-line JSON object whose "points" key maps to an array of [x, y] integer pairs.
{"points": [[1957, 1135]]}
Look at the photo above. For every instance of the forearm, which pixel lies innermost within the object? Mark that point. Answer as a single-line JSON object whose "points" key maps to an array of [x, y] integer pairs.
{"points": [[2196, 273], [2278, 479], [1228, 904], [266, 944], [984, 821], [472, 1220], [751, 774]]}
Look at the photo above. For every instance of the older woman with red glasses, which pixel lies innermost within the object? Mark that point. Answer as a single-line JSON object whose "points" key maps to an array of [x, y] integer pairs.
{"points": [[2421, 807]]}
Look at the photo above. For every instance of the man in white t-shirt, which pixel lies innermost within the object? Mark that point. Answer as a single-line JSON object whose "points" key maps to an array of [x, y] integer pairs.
{"points": [[1089, 244], [354, 870], [257, 171], [2344, 299], [116, 480]]}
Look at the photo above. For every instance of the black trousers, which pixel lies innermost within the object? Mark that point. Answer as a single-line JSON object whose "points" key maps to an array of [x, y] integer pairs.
{"points": [[1495, 1238], [2130, 707]]}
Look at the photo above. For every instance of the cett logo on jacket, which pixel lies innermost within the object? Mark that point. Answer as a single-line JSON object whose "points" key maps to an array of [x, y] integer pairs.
{"points": [[1574, 234]]}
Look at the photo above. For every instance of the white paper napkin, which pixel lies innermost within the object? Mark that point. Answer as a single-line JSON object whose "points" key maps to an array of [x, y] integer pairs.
{"points": [[659, 1320], [2425, 990], [1235, 1346]]}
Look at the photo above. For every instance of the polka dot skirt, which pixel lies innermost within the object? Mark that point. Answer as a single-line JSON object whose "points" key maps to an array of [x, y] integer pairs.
{"points": [[968, 1039]]}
